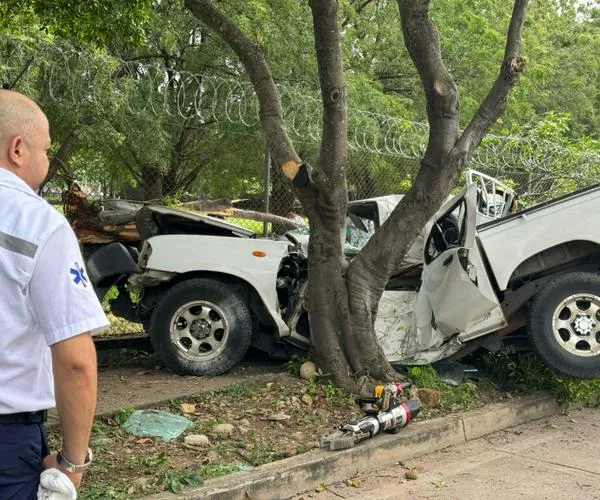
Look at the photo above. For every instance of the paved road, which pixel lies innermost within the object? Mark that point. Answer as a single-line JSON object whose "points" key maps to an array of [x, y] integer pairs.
{"points": [[557, 458]]}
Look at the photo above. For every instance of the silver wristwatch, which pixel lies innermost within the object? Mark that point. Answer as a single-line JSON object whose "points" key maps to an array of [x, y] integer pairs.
{"points": [[69, 466]]}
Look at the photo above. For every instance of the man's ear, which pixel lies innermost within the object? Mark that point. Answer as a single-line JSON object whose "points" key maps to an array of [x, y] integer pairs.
{"points": [[16, 150]]}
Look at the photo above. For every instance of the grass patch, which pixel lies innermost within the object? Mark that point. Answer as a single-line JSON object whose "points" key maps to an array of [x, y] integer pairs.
{"points": [[271, 421], [466, 395], [529, 373], [118, 326]]}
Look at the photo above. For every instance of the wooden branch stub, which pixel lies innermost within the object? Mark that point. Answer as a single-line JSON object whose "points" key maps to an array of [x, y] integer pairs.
{"points": [[290, 169], [443, 87]]}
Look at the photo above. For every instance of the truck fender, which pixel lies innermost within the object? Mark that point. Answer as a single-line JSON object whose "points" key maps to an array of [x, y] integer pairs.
{"points": [[109, 265]]}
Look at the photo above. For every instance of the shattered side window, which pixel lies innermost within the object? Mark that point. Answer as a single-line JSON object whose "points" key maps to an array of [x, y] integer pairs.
{"points": [[448, 231]]}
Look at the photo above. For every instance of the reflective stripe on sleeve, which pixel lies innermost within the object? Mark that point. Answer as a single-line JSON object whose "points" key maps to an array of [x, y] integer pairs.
{"points": [[17, 245]]}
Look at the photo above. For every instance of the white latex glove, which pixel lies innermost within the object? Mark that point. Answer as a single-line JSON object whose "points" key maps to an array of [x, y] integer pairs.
{"points": [[54, 485]]}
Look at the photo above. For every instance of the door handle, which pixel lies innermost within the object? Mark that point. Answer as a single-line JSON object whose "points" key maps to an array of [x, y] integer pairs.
{"points": [[448, 260]]}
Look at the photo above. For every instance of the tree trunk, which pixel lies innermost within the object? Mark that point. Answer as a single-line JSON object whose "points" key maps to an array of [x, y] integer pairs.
{"points": [[59, 160], [446, 155], [152, 182]]}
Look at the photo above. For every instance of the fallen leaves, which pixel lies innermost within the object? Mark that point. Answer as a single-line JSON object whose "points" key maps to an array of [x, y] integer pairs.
{"points": [[191, 409], [279, 417], [355, 482]]}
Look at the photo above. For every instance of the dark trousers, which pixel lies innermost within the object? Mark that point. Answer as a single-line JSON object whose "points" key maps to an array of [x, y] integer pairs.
{"points": [[22, 447]]}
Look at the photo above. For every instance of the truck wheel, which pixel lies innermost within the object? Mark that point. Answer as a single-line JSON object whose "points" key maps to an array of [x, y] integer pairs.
{"points": [[201, 327], [564, 324]]}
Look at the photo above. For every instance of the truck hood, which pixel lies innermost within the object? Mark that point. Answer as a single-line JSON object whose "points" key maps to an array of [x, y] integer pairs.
{"points": [[153, 220]]}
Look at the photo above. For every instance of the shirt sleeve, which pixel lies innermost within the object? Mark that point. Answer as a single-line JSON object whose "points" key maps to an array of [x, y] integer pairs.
{"points": [[63, 299]]}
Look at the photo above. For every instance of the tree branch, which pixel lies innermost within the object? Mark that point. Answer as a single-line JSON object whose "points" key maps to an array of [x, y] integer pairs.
{"points": [[423, 44], [279, 144], [58, 161], [333, 91], [251, 56], [495, 102], [358, 10]]}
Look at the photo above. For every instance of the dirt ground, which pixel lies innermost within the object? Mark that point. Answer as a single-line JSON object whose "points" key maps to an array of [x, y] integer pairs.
{"points": [[255, 414], [127, 379]]}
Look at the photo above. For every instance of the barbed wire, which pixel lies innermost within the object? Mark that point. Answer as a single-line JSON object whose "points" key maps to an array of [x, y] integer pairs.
{"points": [[144, 86]]}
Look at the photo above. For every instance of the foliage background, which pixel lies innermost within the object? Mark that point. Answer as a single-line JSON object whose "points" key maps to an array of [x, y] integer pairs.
{"points": [[149, 104]]}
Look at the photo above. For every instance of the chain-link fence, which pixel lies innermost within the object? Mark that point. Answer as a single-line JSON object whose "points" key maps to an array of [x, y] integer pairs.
{"points": [[140, 131]]}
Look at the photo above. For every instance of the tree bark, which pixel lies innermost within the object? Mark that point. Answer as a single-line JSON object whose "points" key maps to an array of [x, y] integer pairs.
{"points": [[59, 160], [331, 332], [152, 182]]}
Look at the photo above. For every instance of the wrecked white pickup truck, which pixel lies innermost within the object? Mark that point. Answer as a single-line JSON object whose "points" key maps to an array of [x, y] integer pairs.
{"points": [[206, 290], [537, 267]]}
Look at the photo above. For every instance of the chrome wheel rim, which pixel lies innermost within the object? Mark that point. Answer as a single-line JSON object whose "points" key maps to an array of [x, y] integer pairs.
{"points": [[576, 324], [200, 330]]}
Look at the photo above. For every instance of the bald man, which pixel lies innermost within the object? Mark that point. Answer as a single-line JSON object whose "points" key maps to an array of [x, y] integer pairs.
{"points": [[48, 312]]}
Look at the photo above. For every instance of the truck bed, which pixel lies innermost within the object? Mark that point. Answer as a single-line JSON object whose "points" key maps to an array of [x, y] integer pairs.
{"points": [[511, 241]]}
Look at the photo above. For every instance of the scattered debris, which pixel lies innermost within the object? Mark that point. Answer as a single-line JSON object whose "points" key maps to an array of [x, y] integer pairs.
{"points": [[156, 423], [453, 372], [413, 393], [411, 474], [307, 399], [191, 409], [279, 417], [430, 397], [162, 465], [308, 370], [356, 482], [226, 429], [199, 440]]}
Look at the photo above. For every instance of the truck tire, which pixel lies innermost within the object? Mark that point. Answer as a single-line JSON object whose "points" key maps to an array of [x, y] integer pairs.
{"points": [[564, 324], [201, 327]]}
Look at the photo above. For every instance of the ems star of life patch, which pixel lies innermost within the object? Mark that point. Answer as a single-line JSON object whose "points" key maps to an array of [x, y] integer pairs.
{"points": [[78, 273]]}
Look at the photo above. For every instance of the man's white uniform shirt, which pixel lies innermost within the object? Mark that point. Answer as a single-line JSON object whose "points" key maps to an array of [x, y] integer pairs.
{"points": [[45, 295]]}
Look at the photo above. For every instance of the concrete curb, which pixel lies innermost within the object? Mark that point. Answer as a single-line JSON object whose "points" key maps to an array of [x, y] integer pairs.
{"points": [[284, 478]]}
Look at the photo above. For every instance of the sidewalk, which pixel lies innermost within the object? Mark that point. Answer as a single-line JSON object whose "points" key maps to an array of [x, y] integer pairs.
{"points": [[554, 458], [285, 478]]}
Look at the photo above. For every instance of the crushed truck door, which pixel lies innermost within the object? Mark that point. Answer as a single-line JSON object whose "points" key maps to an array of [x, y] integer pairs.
{"points": [[454, 279]]}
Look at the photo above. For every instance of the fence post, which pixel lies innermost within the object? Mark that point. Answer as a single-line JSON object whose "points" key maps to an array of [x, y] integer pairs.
{"points": [[266, 187]]}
